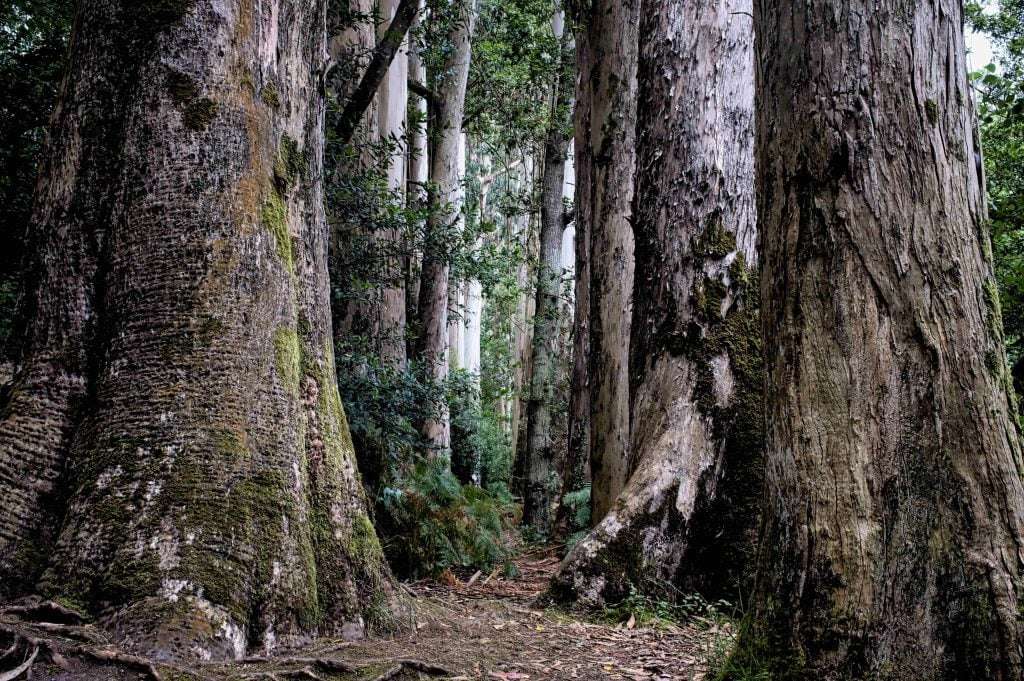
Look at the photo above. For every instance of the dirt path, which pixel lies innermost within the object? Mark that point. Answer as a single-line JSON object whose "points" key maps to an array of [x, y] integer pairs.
{"points": [[483, 628]]}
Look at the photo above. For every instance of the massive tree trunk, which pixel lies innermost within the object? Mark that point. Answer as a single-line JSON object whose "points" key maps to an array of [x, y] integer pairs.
{"points": [[180, 370], [608, 64], [445, 188], [893, 541], [694, 350], [542, 471]]}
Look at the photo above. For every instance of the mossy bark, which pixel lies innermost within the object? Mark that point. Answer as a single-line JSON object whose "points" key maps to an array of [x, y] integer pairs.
{"points": [[695, 438], [892, 546], [209, 503]]}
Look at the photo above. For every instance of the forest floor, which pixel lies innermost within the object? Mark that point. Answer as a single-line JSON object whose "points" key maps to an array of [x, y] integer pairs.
{"points": [[484, 627]]}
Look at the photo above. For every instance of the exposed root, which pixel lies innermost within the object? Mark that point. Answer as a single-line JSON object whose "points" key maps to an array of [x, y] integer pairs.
{"points": [[416, 666], [43, 611]]}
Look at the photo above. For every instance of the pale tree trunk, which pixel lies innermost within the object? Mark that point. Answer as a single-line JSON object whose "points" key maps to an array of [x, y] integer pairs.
{"points": [[212, 501], [393, 98], [445, 188], [694, 350], [457, 289], [417, 167], [892, 546], [607, 145], [542, 482]]}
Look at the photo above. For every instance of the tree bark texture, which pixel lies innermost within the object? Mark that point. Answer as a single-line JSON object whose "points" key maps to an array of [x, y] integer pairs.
{"points": [[694, 351], [445, 188], [179, 394], [895, 509], [542, 470], [609, 65]]}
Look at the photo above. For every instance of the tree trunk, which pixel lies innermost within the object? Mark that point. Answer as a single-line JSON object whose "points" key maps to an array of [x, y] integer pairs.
{"points": [[542, 470], [892, 545], [417, 173], [578, 448], [694, 351], [445, 188], [393, 100], [608, 64], [181, 323]]}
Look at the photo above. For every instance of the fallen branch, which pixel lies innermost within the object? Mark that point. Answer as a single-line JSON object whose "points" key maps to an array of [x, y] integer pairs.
{"points": [[20, 669], [416, 666]]}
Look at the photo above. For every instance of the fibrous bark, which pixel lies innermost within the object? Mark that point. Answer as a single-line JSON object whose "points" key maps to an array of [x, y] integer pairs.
{"points": [[608, 64], [893, 540], [179, 391], [542, 482], [694, 347], [445, 208]]}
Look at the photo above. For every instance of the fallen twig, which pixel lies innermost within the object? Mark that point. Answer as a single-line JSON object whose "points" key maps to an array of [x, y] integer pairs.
{"points": [[20, 669]]}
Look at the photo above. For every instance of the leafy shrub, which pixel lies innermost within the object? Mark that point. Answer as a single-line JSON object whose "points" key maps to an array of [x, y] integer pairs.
{"points": [[430, 522]]}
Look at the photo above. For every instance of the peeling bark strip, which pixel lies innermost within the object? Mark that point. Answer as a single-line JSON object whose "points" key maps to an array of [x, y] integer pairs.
{"points": [[694, 347], [892, 547], [180, 358], [609, 64]]}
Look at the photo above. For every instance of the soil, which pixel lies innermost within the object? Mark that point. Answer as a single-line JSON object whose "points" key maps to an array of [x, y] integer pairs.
{"points": [[477, 627]]}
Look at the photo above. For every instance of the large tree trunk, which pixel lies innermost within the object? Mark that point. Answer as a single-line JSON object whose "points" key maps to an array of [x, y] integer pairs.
{"points": [[608, 64], [445, 208], [212, 501], [893, 541], [542, 471], [694, 350]]}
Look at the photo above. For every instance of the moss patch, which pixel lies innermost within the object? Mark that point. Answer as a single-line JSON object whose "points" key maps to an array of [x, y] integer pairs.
{"points": [[275, 218], [288, 357]]}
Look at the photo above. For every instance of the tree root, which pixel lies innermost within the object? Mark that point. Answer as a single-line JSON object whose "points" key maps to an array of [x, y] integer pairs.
{"points": [[416, 666]]}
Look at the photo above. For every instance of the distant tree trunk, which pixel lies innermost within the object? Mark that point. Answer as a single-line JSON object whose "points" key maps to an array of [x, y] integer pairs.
{"points": [[180, 366], [444, 214], [417, 173], [542, 470], [695, 350], [608, 64], [393, 100], [895, 512]]}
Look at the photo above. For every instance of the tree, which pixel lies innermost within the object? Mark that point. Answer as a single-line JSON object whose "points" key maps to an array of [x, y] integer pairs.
{"points": [[542, 462], [605, 149], [694, 348], [446, 129], [174, 454], [895, 507]]}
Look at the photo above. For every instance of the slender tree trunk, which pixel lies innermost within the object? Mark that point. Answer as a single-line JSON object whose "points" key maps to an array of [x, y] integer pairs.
{"points": [[417, 172], [181, 317], [393, 100], [578, 448], [444, 215], [893, 541], [695, 350], [609, 65], [542, 479]]}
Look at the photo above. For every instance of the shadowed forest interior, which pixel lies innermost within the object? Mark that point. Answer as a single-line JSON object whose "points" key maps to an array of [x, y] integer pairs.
{"points": [[511, 339]]}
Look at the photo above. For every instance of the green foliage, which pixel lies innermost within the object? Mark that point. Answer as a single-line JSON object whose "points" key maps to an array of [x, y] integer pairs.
{"points": [[577, 505], [646, 610], [432, 522]]}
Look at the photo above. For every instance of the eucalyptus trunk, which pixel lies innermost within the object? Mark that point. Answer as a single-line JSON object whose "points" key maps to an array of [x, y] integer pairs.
{"points": [[542, 461], [608, 64], [694, 350], [893, 540], [177, 404], [445, 208]]}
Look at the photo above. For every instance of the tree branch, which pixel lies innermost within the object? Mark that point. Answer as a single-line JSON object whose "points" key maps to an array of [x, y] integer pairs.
{"points": [[383, 55]]}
